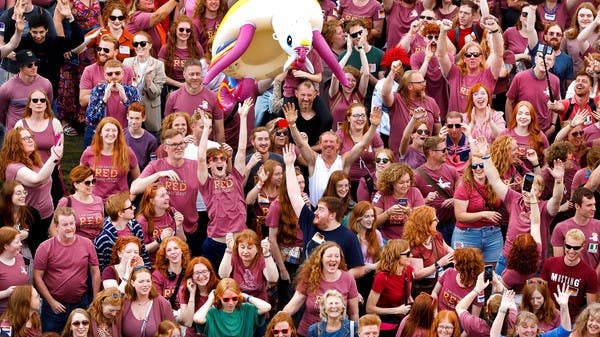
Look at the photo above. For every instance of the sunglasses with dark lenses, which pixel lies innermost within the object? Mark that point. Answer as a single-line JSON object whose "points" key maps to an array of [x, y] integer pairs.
{"points": [[116, 73], [115, 18], [557, 34], [105, 50], [406, 254], [597, 72], [577, 133], [217, 159], [36, 63], [453, 126], [139, 44], [472, 55], [432, 37], [524, 14], [423, 17], [355, 35], [36, 100], [536, 280], [380, 160], [475, 166], [281, 133], [423, 132], [78, 323], [89, 182], [283, 331], [227, 299], [567, 246], [187, 30]]}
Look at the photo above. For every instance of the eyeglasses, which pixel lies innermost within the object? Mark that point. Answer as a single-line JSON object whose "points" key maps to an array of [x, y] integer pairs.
{"points": [[445, 327], [524, 14], [36, 100], [281, 133], [105, 50], [115, 18], [432, 37], [424, 17], [419, 82], [479, 93], [557, 34], [176, 145], [227, 299], [21, 193], [79, 323], [454, 126], [282, 331], [359, 116], [423, 132], [576, 248], [36, 63], [536, 280], [217, 159], [577, 133], [382, 160], [139, 44], [472, 55], [89, 182], [441, 150], [28, 139], [111, 73], [355, 35], [405, 253], [201, 273], [475, 166], [129, 207], [187, 30]]}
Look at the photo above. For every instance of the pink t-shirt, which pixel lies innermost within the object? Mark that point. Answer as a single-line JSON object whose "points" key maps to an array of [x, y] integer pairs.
{"points": [[451, 293], [485, 129], [38, 196], [371, 12], [345, 285], [160, 223], [581, 177], [392, 288], [272, 221], [447, 179], [179, 57], [590, 134], [211, 26], [109, 180], [180, 192], [93, 75], [460, 85], [366, 162], [398, 21], [523, 144], [226, 205], [394, 226], [591, 230], [476, 204], [515, 281], [166, 287], [13, 97], [181, 100], [141, 21], [338, 105], [514, 41], [66, 267], [14, 275], [558, 14], [251, 278], [436, 87], [89, 218], [44, 140]]}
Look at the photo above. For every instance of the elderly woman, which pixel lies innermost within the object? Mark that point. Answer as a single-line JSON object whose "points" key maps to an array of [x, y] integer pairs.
{"points": [[13, 271], [105, 313], [334, 319]]}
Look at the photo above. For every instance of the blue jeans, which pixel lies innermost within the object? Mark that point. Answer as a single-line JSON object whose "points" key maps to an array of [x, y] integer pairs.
{"points": [[213, 251], [88, 135], [446, 229], [488, 239], [501, 265], [56, 322]]}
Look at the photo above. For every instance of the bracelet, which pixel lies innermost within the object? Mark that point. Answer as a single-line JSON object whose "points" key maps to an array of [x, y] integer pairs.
{"points": [[571, 125], [267, 256], [494, 31], [559, 182], [228, 251], [292, 125], [248, 298], [437, 266], [536, 165], [486, 157]]}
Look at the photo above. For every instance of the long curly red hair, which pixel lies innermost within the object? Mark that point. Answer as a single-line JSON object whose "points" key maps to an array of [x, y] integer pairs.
{"points": [[536, 141], [162, 263], [119, 246], [147, 206], [311, 271], [192, 47], [13, 152], [120, 156], [371, 239], [468, 262], [524, 255]]}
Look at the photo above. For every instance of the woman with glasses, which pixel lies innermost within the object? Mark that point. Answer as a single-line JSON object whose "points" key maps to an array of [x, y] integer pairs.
{"points": [[124, 257], [352, 130], [20, 161], [367, 185], [334, 319], [143, 307], [229, 312], [390, 295], [445, 324], [110, 157], [78, 324], [114, 15], [180, 122], [47, 130], [413, 138], [483, 120], [105, 313], [477, 218], [88, 208], [419, 320], [13, 271], [429, 253], [279, 134], [172, 257], [341, 98], [149, 78], [23, 312], [143, 16], [119, 222], [395, 198], [158, 219], [181, 46], [199, 280], [538, 300], [281, 324], [572, 131]]}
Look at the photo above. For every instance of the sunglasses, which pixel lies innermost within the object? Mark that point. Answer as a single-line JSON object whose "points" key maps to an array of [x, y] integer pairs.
{"points": [[384, 160], [89, 182], [36, 63], [217, 159], [577, 133], [283, 331], [536, 280], [472, 55], [567, 246], [557, 34], [129, 207], [432, 37], [27, 138], [423, 17], [423, 132], [524, 14], [281, 133], [115, 18], [105, 50], [187, 30], [453, 126], [79, 323], [475, 166], [40, 100], [405, 254], [357, 34], [139, 44], [232, 299], [110, 73]]}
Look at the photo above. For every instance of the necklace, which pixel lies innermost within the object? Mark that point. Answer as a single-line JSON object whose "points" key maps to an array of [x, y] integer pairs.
{"points": [[143, 304]]}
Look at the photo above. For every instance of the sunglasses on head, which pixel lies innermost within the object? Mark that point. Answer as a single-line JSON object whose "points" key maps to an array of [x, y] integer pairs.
{"points": [[36, 100], [136, 268], [89, 182], [227, 299], [187, 30], [105, 50], [110, 73], [475, 166], [283, 331], [139, 44], [472, 55], [453, 126], [115, 18], [536, 280], [382, 160], [35, 63], [423, 132], [568, 246], [577, 133], [426, 17], [355, 35], [79, 323], [217, 159]]}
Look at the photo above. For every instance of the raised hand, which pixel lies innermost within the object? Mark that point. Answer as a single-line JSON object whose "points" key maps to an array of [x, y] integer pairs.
{"points": [[243, 108], [376, 116], [562, 295], [558, 172], [289, 154], [290, 112]]}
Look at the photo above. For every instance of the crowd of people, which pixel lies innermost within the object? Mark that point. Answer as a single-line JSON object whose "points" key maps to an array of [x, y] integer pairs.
{"points": [[449, 190]]}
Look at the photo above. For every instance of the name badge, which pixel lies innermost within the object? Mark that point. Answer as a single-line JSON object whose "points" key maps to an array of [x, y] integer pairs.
{"points": [[550, 17], [124, 50]]}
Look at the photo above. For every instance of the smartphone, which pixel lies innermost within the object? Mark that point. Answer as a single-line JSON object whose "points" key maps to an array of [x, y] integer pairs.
{"points": [[528, 182], [487, 272], [588, 120], [403, 202]]}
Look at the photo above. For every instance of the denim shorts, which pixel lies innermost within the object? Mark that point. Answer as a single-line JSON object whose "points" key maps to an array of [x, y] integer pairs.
{"points": [[488, 239]]}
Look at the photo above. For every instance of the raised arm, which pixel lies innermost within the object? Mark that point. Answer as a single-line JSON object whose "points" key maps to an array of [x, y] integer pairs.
{"points": [[387, 94], [240, 157], [584, 34], [418, 114], [200, 315], [162, 12], [262, 305], [351, 156], [535, 216], [508, 301], [466, 301], [294, 193], [442, 47], [225, 267], [532, 36], [291, 115], [202, 165], [577, 120], [415, 26], [496, 59], [562, 299], [558, 172], [14, 41], [31, 178], [334, 87], [491, 172]]}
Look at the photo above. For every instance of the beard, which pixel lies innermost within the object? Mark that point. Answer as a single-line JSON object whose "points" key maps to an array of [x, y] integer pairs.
{"points": [[554, 43]]}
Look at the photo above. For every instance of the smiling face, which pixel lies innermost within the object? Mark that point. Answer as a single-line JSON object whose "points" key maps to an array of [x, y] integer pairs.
{"points": [[357, 118], [402, 186], [584, 17], [382, 162], [201, 275], [38, 34], [173, 252], [212, 5], [65, 229], [523, 116], [175, 147], [480, 99], [582, 85], [119, 19], [183, 32], [80, 325], [342, 188], [352, 83], [306, 96], [109, 134], [445, 328], [527, 328], [418, 137], [261, 142], [142, 50], [27, 142], [593, 325], [572, 255], [587, 209], [14, 247], [331, 259], [333, 307], [102, 55], [85, 187], [368, 219], [329, 144], [19, 195]]}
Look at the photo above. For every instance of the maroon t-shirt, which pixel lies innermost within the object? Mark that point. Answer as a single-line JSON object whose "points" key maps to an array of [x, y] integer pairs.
{"points": [[451, 293], [14, 275], [446, 178], [251, 278]]}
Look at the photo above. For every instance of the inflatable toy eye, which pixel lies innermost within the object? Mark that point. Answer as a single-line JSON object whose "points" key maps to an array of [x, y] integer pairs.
{"points": [[289, 40]]}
